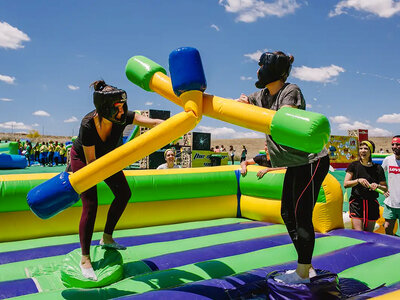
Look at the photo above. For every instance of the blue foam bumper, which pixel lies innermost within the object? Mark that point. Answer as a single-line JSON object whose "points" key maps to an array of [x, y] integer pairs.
{"points": [[186, 70], [52, 196]]}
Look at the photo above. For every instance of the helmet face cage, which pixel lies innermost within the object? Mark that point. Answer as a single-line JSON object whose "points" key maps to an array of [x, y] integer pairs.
{"points": [[272, 67], [105, 103]]}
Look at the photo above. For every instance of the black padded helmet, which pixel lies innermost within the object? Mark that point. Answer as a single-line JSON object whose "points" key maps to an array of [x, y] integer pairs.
{"points": [[105, 101], [272, 68]]}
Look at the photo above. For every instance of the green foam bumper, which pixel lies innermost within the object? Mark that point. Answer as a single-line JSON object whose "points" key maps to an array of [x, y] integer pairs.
{"points": [[300, 129], [140, 70]]}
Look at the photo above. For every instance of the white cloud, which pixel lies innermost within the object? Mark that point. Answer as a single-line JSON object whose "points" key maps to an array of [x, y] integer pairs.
{"points": [[73, 87], [256, 55], [339, 119], [322, 74], [6, 99], [371, 130], [246, 78], [215, 27], [250, 10], [35, 125], [225, 132], [393, 118], [11, 37], [379, 132], [308, 105], [41, 113], [148, 103], [7, 79], [71, 120], [14, 125], [381, 8]]}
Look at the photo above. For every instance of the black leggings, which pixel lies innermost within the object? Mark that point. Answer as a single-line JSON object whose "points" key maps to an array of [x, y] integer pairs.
{"points": [[120, 188], [299, 195]]}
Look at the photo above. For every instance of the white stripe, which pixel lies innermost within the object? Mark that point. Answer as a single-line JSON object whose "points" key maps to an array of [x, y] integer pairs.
{"points": [[28, 275], [37, 285]]}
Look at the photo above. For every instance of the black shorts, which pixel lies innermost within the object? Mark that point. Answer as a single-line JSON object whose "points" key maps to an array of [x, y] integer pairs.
{"points": [[367, 210]]}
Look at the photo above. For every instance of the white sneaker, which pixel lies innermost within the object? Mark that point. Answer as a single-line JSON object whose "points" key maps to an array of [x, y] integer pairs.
{"points": [[312, 273], [88, 273], [291, 276]]}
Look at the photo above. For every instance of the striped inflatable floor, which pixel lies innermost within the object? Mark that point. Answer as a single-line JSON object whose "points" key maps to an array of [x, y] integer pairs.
{"points": [[216, 259]]}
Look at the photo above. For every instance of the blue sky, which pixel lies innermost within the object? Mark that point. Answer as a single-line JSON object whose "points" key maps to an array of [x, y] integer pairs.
{"points": [[346, 56]]}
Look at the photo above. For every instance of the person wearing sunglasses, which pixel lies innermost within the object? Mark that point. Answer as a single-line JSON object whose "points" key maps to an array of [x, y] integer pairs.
{"points": [[391, 165], [305, 171]]}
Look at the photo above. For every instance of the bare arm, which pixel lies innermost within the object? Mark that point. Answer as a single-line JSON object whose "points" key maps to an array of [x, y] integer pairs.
{"points": [[348, 180], [244, 165], [382, 186], [262, 172], [146, 121]]}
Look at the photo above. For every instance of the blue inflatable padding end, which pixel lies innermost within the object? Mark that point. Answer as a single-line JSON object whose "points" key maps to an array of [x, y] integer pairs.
{"points": [[12, 161], [238, 194], [52, 196], [186, 70]]}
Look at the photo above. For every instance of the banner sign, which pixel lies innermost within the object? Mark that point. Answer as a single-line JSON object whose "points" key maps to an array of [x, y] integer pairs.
{"points": [[343, 149], [202, 158]]}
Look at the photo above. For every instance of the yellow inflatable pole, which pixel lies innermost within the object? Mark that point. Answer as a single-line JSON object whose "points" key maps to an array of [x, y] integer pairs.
{"points": [[132, 151], [296, 128], [62, 191], [227, 110]]}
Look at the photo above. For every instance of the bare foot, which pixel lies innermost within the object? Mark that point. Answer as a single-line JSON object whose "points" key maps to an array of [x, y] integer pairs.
{"points": [[107, 238], [303, 270], [87, 269]]}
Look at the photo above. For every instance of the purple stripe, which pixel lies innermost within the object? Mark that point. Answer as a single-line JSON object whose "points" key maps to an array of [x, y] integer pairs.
{"points": [[28, 254], [251, 281], [16, 288], [167, 261], [393, 241]]}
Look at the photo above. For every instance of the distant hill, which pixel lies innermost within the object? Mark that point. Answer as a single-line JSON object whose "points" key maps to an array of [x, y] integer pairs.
{"points": [[42, 138], [253, 145]]}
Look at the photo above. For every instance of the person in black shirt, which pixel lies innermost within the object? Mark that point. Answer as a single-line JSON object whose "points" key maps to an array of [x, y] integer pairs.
{"points": [[364, 177], [101, 132]]}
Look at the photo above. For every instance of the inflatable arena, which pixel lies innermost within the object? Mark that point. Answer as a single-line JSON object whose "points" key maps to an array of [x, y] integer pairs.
{"points": [[199, 233], [206, 233]]}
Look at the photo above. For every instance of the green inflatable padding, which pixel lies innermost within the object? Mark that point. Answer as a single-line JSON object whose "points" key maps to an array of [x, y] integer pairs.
{"points": [[140, 70], [9, 148], [107, 264], [300, 129]]}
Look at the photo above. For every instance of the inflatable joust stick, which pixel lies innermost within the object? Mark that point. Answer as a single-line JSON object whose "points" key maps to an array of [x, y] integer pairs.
{"points": [[299, 129], [62, 191]]}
